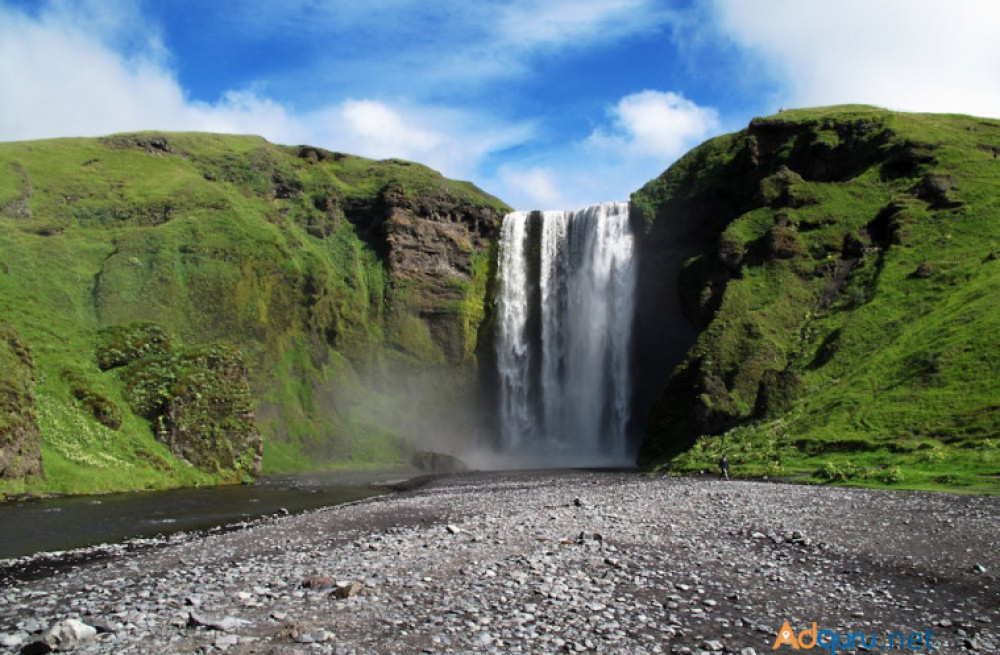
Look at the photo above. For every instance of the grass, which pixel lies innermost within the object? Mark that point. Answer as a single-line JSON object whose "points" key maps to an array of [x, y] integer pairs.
{"points": [[884, 318], [772, 451], [214, 238]]}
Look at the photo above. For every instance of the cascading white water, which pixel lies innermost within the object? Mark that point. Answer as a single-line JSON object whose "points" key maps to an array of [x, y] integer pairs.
{"points": [[566, 295]]}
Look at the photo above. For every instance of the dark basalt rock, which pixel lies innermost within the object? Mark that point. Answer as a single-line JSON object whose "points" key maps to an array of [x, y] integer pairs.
{"points": [[156, 145], [432, 462], [429, 239]]}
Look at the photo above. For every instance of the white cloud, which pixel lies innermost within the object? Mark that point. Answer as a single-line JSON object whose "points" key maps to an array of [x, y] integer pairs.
{"points": [[449, 140], [61, 79], [655, 124], [916, 55], [644, 134], [94, 67], [528, 25], [532, 187]]}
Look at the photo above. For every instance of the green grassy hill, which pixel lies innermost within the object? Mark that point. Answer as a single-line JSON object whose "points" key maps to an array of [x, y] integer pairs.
{"points": [[308, 262], [174, 306], [843, 271]]}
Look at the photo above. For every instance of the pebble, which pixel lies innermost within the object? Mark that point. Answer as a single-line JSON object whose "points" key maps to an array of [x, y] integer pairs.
{"points": [[224, 642], [644, 565], [222, 623], [11, 641]]}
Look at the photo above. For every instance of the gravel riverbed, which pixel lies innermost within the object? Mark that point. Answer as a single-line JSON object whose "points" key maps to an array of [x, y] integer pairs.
{"points": [[543, 562]]}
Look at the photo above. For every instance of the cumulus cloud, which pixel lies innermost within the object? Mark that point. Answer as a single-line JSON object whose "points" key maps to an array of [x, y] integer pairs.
{"points": [[655, 124], [644, 133], [916, 55], [60, 76], [57, 79]]}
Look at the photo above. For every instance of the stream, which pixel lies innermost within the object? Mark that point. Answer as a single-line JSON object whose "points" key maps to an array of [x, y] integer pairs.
{"points": [[56, 524]]}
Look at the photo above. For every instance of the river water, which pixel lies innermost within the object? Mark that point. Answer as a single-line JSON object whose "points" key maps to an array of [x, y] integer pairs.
{"points": [[32, 526]]}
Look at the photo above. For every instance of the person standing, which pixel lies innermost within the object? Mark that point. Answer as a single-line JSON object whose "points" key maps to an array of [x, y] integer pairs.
{"points": [[724, 467]]}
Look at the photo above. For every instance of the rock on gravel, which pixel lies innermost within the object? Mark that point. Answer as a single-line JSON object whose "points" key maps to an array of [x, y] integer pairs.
{"points": [[223, 623], [543, 562], [68, 634]]}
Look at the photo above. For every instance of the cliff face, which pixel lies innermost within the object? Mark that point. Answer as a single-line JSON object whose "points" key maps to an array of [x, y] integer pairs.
{"points": [[838, 268], [353, 291], [441, 250]]}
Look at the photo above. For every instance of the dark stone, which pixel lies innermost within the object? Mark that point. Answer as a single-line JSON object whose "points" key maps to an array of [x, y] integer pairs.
{"points": [[731, 252], [318, 582], [923, 271], [936, 190], [430, 239], [157, 145], [432, 462], [223, 624], [315, 155], [36, 648], [349, 590], [102, 626]]}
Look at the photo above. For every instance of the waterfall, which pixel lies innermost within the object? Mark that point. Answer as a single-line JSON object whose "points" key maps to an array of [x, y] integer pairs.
{"points": [[564, 326]]}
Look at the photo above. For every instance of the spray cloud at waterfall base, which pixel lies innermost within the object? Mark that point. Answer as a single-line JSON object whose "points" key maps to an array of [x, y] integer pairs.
{"points": [[564, 326]]}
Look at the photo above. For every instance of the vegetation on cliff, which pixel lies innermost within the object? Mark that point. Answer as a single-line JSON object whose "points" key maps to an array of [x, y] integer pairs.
{"points": [[309, 266], [843, 272], [20, 453]]}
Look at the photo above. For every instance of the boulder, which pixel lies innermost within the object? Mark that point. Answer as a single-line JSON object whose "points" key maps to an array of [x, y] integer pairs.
{"points": [[69, 635]]}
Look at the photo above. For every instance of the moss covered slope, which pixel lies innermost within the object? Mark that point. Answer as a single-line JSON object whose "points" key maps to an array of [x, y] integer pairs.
{"points": [[843, 272], [308, 262]]}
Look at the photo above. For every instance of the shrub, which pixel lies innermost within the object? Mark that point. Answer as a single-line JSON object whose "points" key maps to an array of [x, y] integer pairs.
{"points": [[891, 475], [831, 472], [200, 404], [120, 344]]}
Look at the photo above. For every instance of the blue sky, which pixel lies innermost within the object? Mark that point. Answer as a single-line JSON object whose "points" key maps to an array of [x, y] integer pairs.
{"points": [[545, 104]]}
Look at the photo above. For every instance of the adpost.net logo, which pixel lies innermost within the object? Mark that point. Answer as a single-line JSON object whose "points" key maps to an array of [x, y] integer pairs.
{"points": [[834, 641]]}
